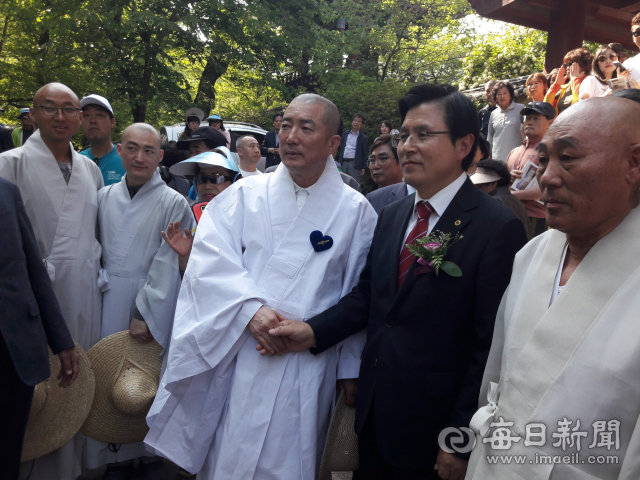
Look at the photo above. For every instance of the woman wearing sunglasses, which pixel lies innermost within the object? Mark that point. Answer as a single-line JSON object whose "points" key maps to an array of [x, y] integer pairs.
{"points": [[603, 69], [213, 172]]}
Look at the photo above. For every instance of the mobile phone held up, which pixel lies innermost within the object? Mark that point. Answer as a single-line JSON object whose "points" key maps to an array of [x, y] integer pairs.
{"points": [[617, 64]]}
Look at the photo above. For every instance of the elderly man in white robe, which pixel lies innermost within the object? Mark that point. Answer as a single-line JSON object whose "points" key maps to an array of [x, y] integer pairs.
{"points": [[563, 375], [289, 244], [140, 276], [60, 192]]}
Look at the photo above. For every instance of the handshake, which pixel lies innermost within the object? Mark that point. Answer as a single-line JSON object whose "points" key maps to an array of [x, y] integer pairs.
{"points": [[277, 335]]}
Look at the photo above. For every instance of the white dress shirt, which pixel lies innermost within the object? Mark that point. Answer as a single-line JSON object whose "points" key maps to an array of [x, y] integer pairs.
{"points": [[302, 194], [440, 201], [350, 147]]}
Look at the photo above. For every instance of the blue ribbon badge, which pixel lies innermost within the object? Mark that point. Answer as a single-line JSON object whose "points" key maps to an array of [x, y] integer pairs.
{"points": [[320, 242]]}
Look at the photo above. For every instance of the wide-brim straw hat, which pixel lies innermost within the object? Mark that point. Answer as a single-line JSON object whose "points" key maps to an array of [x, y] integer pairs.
{"points": [[340, 452], [127, 377], [58, 413]]}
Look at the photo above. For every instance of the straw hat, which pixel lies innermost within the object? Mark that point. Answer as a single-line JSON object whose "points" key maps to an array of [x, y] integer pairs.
{"points": [[58, 413], [127, 377], [341, 448]]}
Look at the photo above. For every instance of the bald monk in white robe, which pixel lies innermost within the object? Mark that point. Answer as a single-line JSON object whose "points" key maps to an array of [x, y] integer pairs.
{"points": [[566, 344], [287, 244], [141, 277], [60, 192]]}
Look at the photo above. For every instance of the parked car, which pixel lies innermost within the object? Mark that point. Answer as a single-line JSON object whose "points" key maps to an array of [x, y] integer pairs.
{"points": [[236, 129]]}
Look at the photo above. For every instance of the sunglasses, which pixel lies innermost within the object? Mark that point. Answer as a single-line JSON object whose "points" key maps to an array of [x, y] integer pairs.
{"points": [[216, 179], [611, 56], [636, 33]]}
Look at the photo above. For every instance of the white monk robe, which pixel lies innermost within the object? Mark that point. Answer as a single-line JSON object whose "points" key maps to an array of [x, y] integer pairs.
{"points": [[227, 412], [578, 358], [64, 219], [139, 270]]}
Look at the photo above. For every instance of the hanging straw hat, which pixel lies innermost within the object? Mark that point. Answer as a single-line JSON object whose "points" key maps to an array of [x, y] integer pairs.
{"points": [[341, 448], [58, 413], [127, 377]]}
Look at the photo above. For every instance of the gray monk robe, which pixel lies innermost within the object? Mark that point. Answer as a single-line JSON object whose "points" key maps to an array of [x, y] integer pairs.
{"points": [[576, 358], [64, 218]]}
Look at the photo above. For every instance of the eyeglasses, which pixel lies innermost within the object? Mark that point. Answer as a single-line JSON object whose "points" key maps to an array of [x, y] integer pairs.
{"points": [[636, 33], [216, 179], [399, 139], [382, 160], [611, 56], [69, 112]]}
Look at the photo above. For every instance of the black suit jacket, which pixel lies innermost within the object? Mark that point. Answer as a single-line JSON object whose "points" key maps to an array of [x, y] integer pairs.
{"points": [[427, 344], [362, 150], [6, 142], [270, 142], [30, 316], [382, 197]]}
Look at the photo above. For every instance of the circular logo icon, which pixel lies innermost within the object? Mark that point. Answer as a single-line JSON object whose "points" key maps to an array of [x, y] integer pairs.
{"points": [[457, 440]]}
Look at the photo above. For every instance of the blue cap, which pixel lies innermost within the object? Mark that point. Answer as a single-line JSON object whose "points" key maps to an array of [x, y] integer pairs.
{"points": [[220, 157], [23, 111], [214, 117]]}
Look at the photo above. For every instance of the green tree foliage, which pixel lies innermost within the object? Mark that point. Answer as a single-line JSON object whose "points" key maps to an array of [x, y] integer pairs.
{"points": [[515, 52]]}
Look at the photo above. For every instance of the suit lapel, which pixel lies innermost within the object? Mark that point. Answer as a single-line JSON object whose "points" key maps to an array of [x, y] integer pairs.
{"points": [[456, 217]]}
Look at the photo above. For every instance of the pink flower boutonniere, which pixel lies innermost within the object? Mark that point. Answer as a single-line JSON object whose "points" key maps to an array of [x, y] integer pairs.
{"points": [[431, 250]]}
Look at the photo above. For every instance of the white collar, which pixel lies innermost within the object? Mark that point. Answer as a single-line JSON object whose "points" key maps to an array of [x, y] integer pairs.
{"points": [[441, 200]]}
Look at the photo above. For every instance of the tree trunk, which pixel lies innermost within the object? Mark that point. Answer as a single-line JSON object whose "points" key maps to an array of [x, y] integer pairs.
{"points": [[206, 96]]}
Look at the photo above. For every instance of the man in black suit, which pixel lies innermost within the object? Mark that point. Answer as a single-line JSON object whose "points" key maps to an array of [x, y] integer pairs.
{"points": [[271, 143], [354, 148], [30, 319], [428, 334], [6, 142]]}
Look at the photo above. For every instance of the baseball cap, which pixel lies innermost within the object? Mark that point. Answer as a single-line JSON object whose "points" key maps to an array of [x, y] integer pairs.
{"points": [[481, 176], [203, 133], [542, 108], [94, 99], [214, 117], [220, 157], [22, 112]]}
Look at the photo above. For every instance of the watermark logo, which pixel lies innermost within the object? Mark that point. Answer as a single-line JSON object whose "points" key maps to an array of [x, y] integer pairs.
{"points": [[457, 440]]}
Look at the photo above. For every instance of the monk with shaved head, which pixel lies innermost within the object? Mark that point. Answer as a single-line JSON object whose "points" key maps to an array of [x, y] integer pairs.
{"points": [[143, 272], [60, 192], [286, 244], [563, 376]]}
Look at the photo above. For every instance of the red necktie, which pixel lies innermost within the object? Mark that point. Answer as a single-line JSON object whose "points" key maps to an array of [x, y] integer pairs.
{"points": [[420, 230]]}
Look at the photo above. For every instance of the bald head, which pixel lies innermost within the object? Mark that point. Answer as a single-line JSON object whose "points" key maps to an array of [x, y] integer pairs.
{"points": [[136, 128], [330, 116], [590, 166], [52, 90]]}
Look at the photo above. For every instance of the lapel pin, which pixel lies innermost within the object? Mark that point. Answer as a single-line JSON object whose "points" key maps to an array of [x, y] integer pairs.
{"points": [[319, 241], [457, 223]]}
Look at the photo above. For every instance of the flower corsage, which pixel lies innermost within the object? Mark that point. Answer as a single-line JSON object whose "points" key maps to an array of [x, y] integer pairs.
{"points": [[431, 250]]}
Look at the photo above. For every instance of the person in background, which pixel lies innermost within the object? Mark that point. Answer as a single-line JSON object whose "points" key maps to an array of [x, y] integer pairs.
{"points": [[538, 117], [623, 55], [248, 151], [97, 123], [504, 123], [537, 86], [387, 129], [485, 112], [22, 133], [6, 142], [173, 155], [493, 178], [603, 69], [633, 63], [193, 119], [271, 143], [383, 162], [565, 91], [215, 121], [482, 153], [202, 139], [354, 148]]}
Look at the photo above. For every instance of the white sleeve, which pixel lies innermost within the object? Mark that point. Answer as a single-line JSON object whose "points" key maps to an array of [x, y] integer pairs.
{"points": [[630, 64], [589, 87]]}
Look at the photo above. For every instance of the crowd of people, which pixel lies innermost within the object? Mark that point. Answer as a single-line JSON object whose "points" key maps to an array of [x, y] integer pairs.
{"points": [[495, 262]]}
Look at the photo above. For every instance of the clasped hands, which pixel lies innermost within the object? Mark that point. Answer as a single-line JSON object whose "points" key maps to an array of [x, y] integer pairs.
{"points": [[277, 334]]}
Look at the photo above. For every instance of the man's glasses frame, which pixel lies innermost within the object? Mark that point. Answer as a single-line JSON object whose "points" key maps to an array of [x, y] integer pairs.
{"points": [[423, 136], [49, 111]]}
